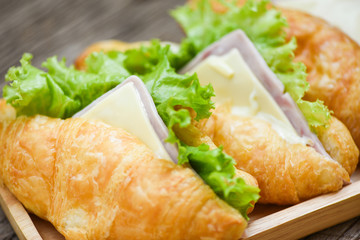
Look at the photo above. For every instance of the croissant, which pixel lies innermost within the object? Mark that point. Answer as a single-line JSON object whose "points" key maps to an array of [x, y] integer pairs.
{"points": [[93, 181], [333, 66], [287, 173]]}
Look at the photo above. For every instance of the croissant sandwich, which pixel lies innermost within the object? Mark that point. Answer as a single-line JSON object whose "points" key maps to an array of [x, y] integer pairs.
{"points": [[94, 181], [95, 152], [255, 124], [294, 148]]}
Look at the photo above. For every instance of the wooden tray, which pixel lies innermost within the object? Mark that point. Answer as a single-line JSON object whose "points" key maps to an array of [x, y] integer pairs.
{"points": [[272, 222], [267, 221]]}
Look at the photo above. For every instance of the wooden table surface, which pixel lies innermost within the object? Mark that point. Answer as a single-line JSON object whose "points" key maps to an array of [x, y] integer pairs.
{"points": [[64, 28]]}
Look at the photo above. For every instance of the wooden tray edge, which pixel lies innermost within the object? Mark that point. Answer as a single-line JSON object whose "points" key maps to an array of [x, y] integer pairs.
{"points": [[18, 217], [308, 217]]}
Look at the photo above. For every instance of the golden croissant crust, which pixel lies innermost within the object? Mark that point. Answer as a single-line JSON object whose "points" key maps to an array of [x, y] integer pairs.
{"points": [[286, 173], [339, 143], [92, 181]]}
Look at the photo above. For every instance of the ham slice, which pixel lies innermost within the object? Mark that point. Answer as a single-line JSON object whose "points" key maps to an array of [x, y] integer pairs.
{"points": [[238, 40]]}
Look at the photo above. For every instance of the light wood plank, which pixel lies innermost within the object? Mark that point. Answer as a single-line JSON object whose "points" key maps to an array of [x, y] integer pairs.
{"points": [[18, 217], [308, 217]]}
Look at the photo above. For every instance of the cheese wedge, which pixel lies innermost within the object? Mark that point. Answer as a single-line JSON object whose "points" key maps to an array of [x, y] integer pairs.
{"points": [[234, 81], [126, 107]]}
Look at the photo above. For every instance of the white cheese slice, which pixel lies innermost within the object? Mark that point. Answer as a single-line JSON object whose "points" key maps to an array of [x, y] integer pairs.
{"points": [[233, 81], [123, 108]]}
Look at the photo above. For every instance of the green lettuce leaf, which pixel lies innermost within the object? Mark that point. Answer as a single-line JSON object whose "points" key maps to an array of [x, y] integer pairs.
{"points": [[60, 92], [217, 170], [34, 91], [265, 27]]}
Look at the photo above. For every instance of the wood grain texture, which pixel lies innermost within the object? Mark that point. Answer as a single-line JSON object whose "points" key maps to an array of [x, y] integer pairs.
{"points": [[64, 28], [17, 216], [309, 216]]}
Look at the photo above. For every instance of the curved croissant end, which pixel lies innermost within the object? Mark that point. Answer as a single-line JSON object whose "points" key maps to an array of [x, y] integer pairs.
{"points": [[286, 173]]}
